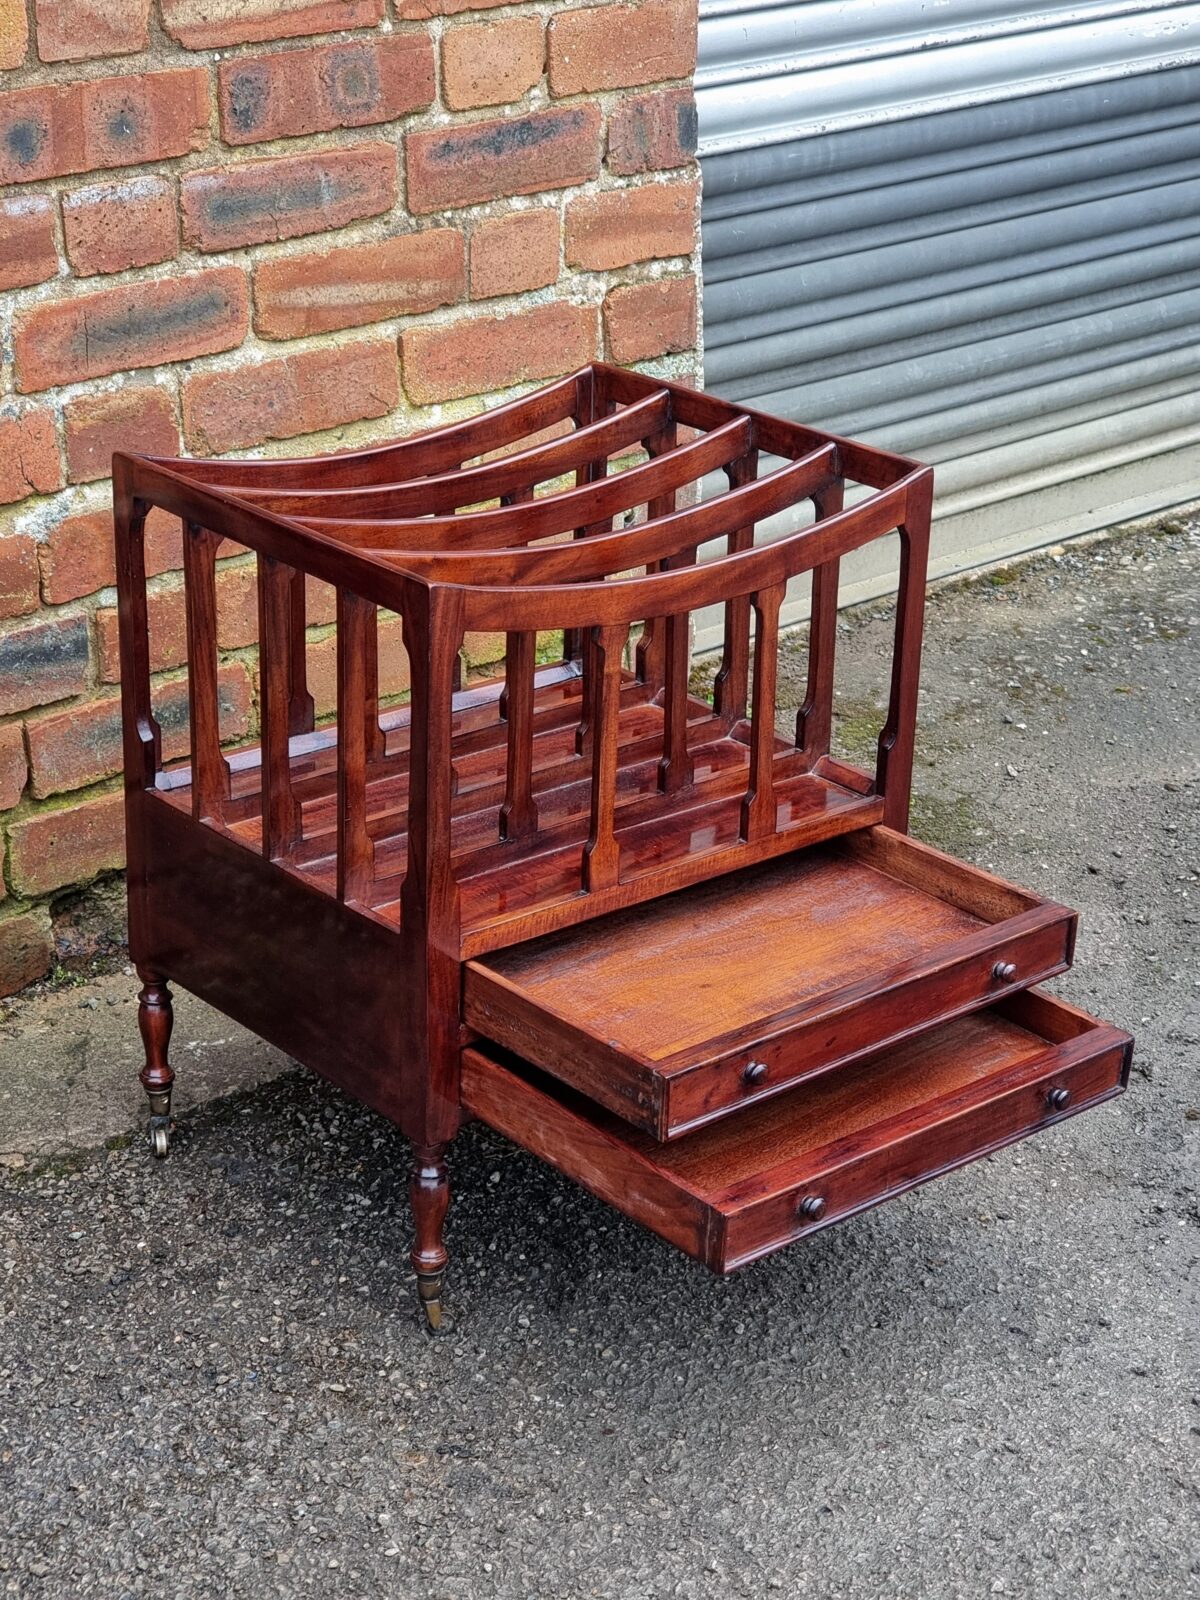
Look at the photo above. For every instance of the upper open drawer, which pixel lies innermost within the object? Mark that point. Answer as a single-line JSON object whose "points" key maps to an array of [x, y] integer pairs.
{"points": [[726, 993]]}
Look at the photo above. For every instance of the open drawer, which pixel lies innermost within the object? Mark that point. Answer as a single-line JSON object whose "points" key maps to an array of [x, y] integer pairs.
{"points": [[724, 994], [735, 1191]]}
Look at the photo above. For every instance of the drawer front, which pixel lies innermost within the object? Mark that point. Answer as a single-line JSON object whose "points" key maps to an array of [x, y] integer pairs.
{"points": [[855, 1174], [806, 1047]]}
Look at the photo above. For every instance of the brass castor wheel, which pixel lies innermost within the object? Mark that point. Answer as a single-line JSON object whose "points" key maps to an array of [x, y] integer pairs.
{"points": [[429, 1292], [160, 1136]]}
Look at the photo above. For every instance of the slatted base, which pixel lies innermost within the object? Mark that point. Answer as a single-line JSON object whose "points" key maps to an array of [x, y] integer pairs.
{"points": [[691, 832]]}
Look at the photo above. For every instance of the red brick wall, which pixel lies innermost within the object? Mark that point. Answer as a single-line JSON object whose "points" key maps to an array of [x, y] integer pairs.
{"points": [[281, 225]]}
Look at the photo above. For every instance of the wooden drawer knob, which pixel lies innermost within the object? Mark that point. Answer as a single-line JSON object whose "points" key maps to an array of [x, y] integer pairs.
{"points": [[754, 1072], [1058, 1099], [812, 1208], [1004, 971]]}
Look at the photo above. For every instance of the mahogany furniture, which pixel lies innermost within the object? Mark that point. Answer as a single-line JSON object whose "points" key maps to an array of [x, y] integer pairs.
{"points": [[691, 961]]}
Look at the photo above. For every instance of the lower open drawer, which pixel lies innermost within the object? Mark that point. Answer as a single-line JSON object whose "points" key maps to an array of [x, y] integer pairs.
{"points": [[740, 1188]]}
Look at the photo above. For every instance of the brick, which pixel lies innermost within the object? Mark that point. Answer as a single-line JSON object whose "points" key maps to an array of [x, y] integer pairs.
{"points": [[28, 253], [110, 227], [394, 676], [283, 199], [50, 131], [29, 459], [79, 555], [52, 848], [617, 46], [303, 393], [515, 253], [18, 575], [426, 10], [140, 417], [626, 225], [79, 30], [26, 949], [167, 625], [652, 132], [43, 662], [517, 155], [77, 558], [71, 749], [346, 85], [644, 320], [492, 63], [481, 354], [135, 325], [298, 295], [483, 649], [14, 33], [200, 24], [14, 769]]}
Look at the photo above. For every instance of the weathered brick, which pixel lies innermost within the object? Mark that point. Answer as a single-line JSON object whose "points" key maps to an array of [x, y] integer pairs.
{"points": [[492, 63], [644, 320], [626, 225], [14, 33], [53, 848], [42, 662], [79, 556], [481, 354], [617, 46], [14, 769], [394, 676], [303, 393], [514, 253], [298, 295], [71, 749], [28, 253], [425, 10], [200, 24], [346, 85], [112, 226], [103, 122], [517, 155], [652, 132], [18, 575], [79, 30], [282, 199], [29, 459], [26, 949], [140, 417], [483, 649], [167, 626], [135, 325]]}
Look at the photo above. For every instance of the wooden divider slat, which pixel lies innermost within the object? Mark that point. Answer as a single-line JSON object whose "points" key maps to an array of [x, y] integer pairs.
{"points": [[814, 720], [357, 712], [758, 805], [281, 812], [210, 772], [602, 855], [518, 813]]}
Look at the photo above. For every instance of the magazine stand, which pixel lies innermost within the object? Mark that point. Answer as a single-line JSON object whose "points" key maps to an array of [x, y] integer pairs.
{"points": [[689, 959]]}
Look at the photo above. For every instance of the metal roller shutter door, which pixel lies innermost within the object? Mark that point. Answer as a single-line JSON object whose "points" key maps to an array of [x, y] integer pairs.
{"points": [[970, 233]]}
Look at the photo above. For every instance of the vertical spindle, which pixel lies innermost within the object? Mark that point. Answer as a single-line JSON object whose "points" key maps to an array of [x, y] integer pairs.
{"points": [[731, 687], [518, 814], [280, 810], [758, 803], [356, 620], [651, 648], [210, 771], [814, 720], [602, 855], [675, 764], [301, 709], [893, 770]]}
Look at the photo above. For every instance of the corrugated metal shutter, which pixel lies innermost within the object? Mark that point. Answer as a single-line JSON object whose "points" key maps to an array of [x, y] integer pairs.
{"points": [[970, 233]]}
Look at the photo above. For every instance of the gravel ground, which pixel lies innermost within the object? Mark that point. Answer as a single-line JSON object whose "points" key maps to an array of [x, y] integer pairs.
{"points": [[213, 1381]]}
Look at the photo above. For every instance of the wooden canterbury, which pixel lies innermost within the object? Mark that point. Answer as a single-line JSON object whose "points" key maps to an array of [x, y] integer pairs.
{"points": [[350, 892]]}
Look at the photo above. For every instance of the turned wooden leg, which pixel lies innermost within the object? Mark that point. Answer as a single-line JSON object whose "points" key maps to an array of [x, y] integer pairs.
{"points": [[429, 1190], [154, 1020]]}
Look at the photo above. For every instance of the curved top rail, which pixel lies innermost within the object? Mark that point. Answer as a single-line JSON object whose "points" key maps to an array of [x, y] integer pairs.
{"points": [[435, 450], [521, 609], [600, 554], [419, 497], [555, 513]]}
